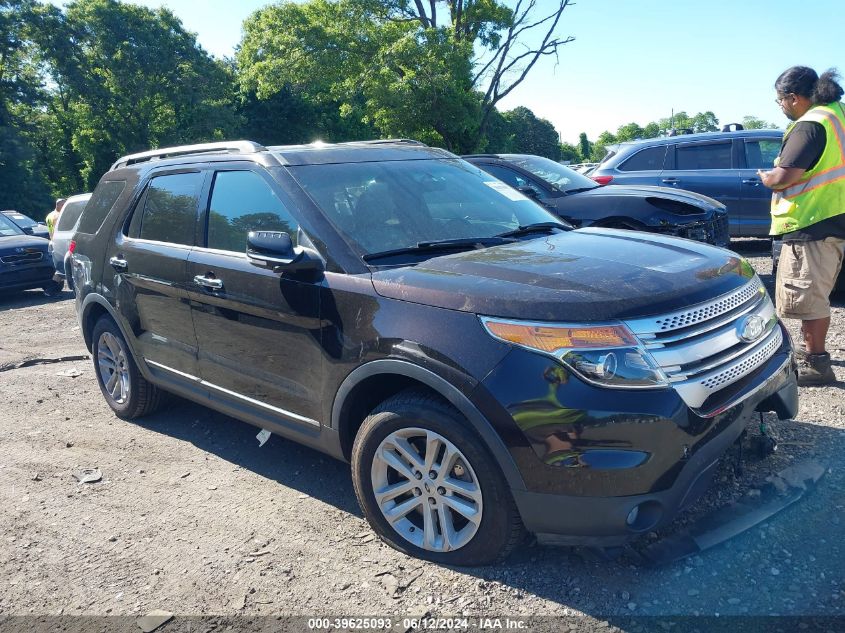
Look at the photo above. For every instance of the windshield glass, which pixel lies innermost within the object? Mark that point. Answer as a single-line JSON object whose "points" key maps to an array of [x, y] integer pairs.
{"points": [[7, 227], [388, 205], [21, 220], [561, 177]]}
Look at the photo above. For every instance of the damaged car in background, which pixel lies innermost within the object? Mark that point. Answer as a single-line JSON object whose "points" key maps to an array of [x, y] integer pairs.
{"points": [[582, 202]]}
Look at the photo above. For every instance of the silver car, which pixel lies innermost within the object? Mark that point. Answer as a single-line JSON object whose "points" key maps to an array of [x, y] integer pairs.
{"points": [[63, 234]]}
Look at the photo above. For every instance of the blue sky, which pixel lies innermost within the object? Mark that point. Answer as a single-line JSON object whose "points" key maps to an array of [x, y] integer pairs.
{"points": [[633, 60]]}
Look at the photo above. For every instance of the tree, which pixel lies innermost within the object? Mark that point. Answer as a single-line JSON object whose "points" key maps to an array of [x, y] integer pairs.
{"points": [[753, 123], [530, 135], [584, 146], [434, 71], [629, 132], [570, 153], [23, 184], [126, 79]]}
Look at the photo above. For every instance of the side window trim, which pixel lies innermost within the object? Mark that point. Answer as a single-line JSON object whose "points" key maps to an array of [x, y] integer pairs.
{"points": [[727, 142], [206, 197], [138, 207]]}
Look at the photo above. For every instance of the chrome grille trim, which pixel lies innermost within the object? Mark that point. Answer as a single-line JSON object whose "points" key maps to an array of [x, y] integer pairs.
{"points": [[650, 327], [699, 349], [696, 391]]}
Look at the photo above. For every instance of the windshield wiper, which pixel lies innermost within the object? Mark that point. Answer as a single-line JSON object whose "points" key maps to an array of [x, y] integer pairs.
{"points": [[580, 189], [452, 244], [537, 227]]}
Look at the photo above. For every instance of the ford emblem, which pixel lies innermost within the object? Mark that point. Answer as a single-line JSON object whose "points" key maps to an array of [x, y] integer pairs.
{"points": [[751, 328]]}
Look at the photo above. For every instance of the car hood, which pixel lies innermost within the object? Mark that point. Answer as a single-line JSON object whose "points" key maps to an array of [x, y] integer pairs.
{"points": [[585, 275], [645, 191], [11, 243]]}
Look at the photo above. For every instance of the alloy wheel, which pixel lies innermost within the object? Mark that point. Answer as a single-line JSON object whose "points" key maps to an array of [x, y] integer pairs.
{"points": [[427, 490], [113, 365]]}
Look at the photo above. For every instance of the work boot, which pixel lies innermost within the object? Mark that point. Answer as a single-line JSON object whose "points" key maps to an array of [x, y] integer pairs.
{"points": [[815, 369]]}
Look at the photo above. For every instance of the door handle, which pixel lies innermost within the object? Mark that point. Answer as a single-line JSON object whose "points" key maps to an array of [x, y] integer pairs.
{"points": [[119, 264], [209, 282], [754, 182], [671, 181]]}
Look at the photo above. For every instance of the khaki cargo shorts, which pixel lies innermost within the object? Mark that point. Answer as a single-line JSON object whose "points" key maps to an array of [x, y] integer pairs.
{"points": [[807, 272]]}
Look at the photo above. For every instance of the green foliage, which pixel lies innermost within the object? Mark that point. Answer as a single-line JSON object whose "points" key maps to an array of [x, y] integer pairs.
{"points": [[570, 153], [519, 131], [126, 79], [753, 123], [584, 146]]}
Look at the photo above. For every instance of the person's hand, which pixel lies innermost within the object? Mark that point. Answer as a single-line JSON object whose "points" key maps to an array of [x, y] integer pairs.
{"points": [[763, 176]]}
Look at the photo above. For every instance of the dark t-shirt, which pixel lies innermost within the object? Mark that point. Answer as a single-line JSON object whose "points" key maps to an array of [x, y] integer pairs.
{"points": [[803, 148]]}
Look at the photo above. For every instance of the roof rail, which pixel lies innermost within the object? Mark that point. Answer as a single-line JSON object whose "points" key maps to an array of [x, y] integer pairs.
{"points": [[387, 141], [226, 147]]}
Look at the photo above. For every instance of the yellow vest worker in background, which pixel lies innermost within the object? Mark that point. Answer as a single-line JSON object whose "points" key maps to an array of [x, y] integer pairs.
{"points": [[53, 216], [808, 210]]}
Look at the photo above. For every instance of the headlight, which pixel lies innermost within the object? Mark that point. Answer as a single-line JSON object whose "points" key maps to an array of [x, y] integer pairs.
{"points": [[608, 355]]}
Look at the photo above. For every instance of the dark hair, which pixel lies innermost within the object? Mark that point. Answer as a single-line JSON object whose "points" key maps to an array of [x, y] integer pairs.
{"points": [[804, 81]]}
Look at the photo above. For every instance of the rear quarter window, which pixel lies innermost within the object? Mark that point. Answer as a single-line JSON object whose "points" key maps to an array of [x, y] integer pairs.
{"points": [[650, 159], [70, 214], [99, 206]]}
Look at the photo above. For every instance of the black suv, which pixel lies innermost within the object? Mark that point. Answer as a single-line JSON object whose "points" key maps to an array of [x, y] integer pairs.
{"points": [[484, 368]]}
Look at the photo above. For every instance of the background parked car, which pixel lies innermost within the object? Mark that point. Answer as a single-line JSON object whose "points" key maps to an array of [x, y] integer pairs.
{"points": [[63, 233], [582, 202], [24, 262], [27, 224], [722, 165]]}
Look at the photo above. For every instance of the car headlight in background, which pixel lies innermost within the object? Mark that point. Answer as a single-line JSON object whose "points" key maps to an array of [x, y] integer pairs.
{"points": [[608, 355]]}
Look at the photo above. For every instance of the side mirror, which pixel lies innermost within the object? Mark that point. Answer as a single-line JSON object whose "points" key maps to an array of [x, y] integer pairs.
{"points": [[27, 230], [275, 249]]}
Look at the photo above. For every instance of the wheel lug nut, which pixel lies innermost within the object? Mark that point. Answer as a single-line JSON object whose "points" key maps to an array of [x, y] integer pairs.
{"points": [[432, 475], [418, 475], [441, 491], [417, 492], [432, 501]]}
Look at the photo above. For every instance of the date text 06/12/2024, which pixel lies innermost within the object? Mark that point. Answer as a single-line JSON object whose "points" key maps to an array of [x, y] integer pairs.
{"points": [[426, 623]]}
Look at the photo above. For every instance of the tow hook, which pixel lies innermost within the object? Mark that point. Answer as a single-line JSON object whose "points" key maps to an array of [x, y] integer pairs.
{"points": [[764, 444]]}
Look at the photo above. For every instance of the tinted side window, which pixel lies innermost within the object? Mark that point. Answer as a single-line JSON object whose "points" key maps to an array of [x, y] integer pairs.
{"points": [[70, 214], [761, 154], [650, 159], [170, 208], [506, 175], [98, 207], [705, 156], [242, 201]]}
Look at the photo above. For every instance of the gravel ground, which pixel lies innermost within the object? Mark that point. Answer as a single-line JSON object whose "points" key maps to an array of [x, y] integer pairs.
{"points": [[193, 518]]}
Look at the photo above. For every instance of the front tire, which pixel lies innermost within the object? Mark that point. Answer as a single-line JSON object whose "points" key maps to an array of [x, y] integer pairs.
{"points": [[428, 487], [126, 391], [52, 288]]}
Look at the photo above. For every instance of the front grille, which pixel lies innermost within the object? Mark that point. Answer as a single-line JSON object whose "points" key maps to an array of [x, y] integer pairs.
{"points": [[700, 349], [23, 258]]}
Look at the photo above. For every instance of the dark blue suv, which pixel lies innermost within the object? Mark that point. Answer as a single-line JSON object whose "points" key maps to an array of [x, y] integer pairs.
{"points": [[722, 165]]}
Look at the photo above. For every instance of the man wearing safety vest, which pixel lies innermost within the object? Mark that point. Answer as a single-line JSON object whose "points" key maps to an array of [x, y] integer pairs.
{"points": [[808, 210], [53, 216]]}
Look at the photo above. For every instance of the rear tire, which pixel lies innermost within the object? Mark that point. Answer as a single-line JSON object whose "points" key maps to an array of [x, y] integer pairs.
{"points": [[126, 391], [462, 515]]}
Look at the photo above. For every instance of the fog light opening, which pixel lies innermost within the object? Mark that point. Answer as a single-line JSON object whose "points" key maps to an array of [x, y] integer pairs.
{"points": [[644, 516]]}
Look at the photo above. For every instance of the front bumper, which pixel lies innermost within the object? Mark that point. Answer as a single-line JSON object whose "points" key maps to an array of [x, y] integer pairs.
{"points": [[26, 276], [588, 466]]}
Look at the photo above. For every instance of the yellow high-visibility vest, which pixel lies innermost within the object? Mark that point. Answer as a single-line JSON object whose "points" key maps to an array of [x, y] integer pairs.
{"points": [[820, 194]]}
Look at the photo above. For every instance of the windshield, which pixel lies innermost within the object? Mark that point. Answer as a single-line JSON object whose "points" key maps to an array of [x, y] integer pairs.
{"points": [[389, 205], [8, 228], [21, 220], [561, 177]]}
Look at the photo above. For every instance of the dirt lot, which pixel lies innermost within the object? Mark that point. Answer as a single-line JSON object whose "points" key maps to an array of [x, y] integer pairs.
{"points": [[192, 517]]}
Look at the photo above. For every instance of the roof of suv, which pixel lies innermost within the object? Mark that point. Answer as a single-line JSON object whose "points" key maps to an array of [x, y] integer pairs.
{"points": [[311, 154], [701, 136]]}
